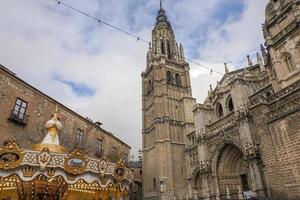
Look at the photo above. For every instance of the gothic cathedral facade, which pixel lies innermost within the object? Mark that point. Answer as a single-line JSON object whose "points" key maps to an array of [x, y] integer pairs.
{"points": [[244, 138]]}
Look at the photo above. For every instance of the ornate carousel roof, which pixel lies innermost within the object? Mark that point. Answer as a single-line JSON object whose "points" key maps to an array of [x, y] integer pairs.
{"points": [[50, 171]]}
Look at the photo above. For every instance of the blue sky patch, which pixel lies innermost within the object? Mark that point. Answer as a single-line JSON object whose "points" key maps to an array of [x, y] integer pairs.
{"points": [[79, 89]]}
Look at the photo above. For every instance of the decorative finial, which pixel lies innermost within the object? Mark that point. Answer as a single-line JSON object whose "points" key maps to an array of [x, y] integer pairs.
{"points": [[56, 112], [250, 63], [160, 4], [210, 88], [53, 126], [226, 68], [264, 53], [51, 139], [140, 155], [259, 59], [181, 50]]}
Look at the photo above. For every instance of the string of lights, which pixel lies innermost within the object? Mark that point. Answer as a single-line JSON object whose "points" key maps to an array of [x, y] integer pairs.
{"points": [[100, 21]]}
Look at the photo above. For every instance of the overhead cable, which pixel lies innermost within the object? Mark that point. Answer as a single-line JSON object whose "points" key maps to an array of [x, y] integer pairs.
{"points": [[98, 20]]}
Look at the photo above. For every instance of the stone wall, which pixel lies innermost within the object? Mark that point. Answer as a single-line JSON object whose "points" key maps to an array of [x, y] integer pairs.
{"points": [[278, 132], [39, 110]]}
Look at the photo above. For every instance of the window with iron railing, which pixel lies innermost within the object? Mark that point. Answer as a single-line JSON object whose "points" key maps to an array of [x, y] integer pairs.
{"points": [[79, 136], [99, 145], [18, 113]]}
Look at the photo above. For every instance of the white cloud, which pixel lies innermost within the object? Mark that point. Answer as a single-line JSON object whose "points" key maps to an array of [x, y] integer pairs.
{"points": [[39, 38]]}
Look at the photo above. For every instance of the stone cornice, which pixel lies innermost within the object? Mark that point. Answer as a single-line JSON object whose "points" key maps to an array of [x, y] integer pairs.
{"points": [[281, 16], [286, 109], [162, 120], [282, 34]]}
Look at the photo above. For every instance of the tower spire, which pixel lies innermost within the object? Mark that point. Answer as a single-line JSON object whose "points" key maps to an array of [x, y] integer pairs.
{"points": [[161, 18], [250, 63], [226, 68]]}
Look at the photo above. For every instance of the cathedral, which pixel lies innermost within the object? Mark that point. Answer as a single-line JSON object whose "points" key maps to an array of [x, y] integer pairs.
{"points": [[243, 140]]}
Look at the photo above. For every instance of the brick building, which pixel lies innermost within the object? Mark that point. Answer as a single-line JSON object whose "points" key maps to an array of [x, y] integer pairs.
{"points": [[24, 111]]}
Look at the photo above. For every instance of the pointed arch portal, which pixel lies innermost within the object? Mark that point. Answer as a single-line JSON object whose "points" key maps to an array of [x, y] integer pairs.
{"points": [[232, 171]]}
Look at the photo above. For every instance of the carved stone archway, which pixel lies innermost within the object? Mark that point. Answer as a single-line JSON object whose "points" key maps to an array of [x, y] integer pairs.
{"points": [[198, 184], [231, 171]]}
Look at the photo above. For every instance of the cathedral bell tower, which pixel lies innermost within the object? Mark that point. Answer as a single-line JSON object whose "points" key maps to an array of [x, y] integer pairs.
{"points": [[167, 114], [282, 33]]}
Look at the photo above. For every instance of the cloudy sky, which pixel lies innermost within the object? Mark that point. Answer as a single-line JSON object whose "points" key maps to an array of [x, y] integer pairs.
{"points": [[96, 70]]}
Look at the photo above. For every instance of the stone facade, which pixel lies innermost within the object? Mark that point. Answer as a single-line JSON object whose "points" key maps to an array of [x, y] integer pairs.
{"points": [[167, 114], [136, 192], [281, 31], [222, 152], [244, 139], [28, 129]]}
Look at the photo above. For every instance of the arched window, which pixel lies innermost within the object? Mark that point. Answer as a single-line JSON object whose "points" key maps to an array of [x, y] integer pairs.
{"points": [[169, 77], [289, 62], [162, 46], [178, 80], [219, 110], [154, 184], [149, 86], [230, 104], [169, 49]]}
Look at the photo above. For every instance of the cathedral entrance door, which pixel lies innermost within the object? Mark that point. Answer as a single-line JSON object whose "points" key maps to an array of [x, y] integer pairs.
{"points": [[245, 183], [231, 171]]}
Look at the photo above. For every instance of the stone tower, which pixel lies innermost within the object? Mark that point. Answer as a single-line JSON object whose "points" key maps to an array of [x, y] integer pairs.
{"points": [[167, 114], [282, 34]]}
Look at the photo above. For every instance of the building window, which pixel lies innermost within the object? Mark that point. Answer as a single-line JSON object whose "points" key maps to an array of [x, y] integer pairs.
{"points": [[169, 77], [125, 158], [150, 86], [178, 80], [154, 184], [79, 136], [141, 172], [220, 112], [193, 140], [20, 109], [230, 105], [162, 46], [98, 145], [289, 62], [169, 49]]}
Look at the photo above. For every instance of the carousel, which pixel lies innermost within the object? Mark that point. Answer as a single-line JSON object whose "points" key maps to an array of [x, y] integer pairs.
{"points": [[49, 172]]}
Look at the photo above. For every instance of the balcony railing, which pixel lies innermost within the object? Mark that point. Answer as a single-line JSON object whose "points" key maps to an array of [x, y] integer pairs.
{"points": [[99, 154], [18, 119]]}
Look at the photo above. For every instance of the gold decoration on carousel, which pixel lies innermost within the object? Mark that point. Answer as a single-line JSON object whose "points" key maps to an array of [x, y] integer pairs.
{"points": [[76, 162], [51, 171], [11, 155], [28, 171], [102, 167], [44, 159], [119, 170]]}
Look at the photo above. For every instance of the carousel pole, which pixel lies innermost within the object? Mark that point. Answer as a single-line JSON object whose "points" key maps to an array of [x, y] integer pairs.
{"points": [[1, 190], [97, 193], [107, 194]]}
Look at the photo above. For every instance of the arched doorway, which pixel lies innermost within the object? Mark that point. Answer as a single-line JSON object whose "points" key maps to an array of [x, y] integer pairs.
{"points": [[199, 184], [232, 171]]}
